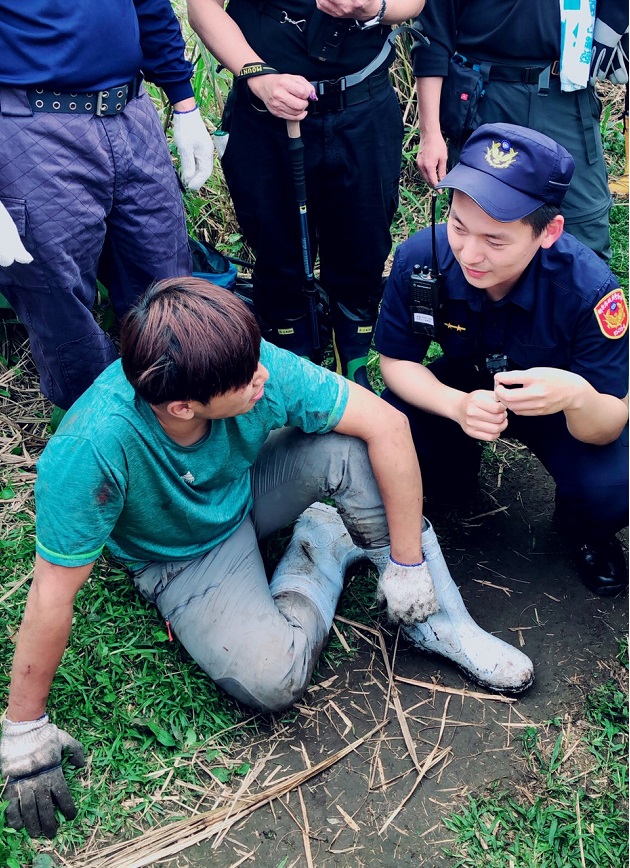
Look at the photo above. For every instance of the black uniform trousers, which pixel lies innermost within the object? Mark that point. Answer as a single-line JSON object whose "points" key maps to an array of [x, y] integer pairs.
{"points": [[352, 164], [591, 481]]}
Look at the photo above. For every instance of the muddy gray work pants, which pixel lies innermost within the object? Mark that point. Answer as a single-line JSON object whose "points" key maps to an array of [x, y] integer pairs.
{"points": [[260, 650]]}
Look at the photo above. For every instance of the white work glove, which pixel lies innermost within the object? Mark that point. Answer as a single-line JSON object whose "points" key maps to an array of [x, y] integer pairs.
{"points": [[408, 592], [609, 57], [195, 147], [30, 760], [11, 247]]}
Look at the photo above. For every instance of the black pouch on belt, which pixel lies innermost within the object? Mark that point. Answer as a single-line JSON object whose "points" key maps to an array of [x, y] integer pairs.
{"points": [[462, 90], [325, 35]]}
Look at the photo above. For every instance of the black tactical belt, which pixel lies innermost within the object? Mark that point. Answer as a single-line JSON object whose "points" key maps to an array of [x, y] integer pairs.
{"points": [[336, 95], [523, 74], [99, 102]]}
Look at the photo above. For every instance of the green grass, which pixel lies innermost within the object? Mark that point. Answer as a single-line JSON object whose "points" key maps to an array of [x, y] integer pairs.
{"points": [[576, 814], [105, 694]]}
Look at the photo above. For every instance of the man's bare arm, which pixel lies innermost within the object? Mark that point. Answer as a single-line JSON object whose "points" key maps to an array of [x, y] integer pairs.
{"points": [[395, 465], [432, 153], [43, 636], [285, 96]]}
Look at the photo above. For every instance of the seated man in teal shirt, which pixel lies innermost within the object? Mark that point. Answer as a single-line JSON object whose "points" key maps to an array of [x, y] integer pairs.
{"points": [[200, 441]]}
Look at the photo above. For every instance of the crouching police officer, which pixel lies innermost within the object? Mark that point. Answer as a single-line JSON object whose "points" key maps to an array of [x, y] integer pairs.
{"points": [[533, 327]]}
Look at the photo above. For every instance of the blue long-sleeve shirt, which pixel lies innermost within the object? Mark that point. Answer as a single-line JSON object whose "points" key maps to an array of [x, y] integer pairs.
{"points": [[88, 45]]}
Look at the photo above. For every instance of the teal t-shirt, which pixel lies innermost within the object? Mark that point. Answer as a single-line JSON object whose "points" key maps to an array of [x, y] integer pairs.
{"points": [[111, 476]]}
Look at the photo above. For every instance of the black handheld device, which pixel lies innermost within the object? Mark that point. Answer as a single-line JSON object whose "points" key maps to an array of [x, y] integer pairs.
{"points": [[424, 288]]}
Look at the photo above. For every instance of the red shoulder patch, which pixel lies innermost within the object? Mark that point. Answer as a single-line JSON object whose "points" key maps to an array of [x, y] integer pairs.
{"points": [[612, 314]]}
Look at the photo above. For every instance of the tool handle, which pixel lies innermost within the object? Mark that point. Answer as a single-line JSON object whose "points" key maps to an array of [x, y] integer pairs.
{"points": [[293, 129], [296, 154]]}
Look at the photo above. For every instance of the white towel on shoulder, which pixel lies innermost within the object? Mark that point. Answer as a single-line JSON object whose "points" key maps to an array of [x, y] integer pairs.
{"points": [[577, 19]]}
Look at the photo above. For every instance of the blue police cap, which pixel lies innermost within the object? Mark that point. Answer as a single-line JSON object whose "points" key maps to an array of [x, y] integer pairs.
{"points": [[509, 171]]}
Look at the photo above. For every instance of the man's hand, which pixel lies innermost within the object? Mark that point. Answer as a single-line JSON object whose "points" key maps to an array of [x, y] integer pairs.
{"points": [[407, 592], [432, 158], [285, 96], [195, 147], [30, 758], [543, 391], [11, 247], [482, 416], [609, 57]]}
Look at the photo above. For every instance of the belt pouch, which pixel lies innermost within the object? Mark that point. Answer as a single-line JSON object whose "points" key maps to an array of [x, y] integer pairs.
{"points": [[462, 89]]}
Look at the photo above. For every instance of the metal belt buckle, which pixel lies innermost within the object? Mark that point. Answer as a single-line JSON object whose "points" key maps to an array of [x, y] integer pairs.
{"points": [[101, 105], [555, 67]]}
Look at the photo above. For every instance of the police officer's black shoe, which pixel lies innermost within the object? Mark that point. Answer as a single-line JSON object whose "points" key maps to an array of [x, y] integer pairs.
{"points": [[602, 566]]}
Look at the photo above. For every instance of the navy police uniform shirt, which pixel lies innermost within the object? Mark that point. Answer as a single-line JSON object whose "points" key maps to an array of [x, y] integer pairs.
{"points": [[566, 311]]}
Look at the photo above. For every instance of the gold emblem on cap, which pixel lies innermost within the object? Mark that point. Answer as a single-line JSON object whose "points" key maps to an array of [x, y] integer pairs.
{"points": [[499, 157]]}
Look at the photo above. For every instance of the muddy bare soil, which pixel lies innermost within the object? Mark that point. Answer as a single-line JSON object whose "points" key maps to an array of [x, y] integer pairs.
{"points": [[518, 581]]}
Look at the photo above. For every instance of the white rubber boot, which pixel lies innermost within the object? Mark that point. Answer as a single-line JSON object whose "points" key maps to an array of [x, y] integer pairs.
{"points": [[453, 634], [316, 560]]}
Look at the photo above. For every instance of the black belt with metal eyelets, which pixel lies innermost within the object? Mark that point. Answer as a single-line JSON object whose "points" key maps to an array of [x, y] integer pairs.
{"points": [[99, 102]]}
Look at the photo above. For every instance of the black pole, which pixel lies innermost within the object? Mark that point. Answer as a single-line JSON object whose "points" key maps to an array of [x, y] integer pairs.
{"points": [[296, 153]]}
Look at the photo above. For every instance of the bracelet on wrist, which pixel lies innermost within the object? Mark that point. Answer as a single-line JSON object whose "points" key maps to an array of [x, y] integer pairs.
{"points": [[252, 70], [376, 21]]}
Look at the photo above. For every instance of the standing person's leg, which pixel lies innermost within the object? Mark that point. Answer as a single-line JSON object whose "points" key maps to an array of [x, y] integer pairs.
{"points": [[56, 180], [591, 495], [355, 204], [147, 238], [258, 173]]}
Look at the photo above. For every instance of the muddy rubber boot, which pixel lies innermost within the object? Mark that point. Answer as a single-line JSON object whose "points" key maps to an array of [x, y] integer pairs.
{"points": [[619, 187], [352, 339], [453, 634], [316, 560], [295, 335]]}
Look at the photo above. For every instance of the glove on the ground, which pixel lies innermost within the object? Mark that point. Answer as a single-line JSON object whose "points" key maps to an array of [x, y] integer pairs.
{"points": [[407, 592], [11, 247], [30, 758], [195, 147]]}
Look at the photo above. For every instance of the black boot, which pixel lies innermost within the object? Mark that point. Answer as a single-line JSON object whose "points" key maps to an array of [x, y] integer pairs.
{"points": [[602, 566], [352, 339], [295, 335]]}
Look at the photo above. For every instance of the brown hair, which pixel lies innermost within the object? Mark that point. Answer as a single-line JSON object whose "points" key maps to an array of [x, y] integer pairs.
{"points": [[188, 340]]}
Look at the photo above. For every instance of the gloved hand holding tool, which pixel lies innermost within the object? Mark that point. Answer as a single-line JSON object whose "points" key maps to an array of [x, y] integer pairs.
{"points": [[11, 247], [30, 760], [407, 591], [194, 145]]}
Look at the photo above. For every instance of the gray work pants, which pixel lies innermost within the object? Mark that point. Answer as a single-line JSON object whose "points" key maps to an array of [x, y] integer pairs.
{"points": [[261, 650]]}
